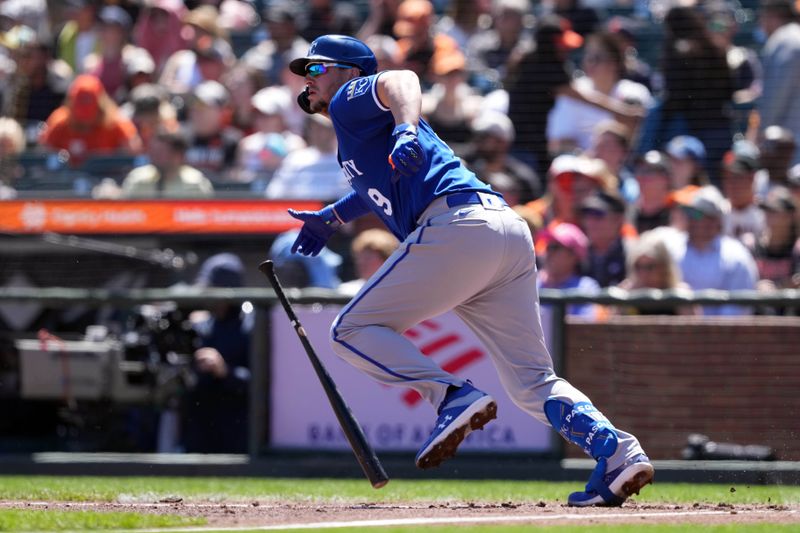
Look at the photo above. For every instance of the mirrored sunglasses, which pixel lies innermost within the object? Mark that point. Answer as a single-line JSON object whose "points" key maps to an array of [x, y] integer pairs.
{"points": [[318, 69]]}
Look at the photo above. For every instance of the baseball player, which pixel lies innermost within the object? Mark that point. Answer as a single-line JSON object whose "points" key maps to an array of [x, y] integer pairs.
{"points": [[462, 248]]}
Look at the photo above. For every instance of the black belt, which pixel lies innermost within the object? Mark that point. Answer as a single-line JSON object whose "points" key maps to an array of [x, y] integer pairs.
{"points": [[469, 198]]}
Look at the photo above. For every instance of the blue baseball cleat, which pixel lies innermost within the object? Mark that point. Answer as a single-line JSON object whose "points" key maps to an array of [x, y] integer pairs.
{"points": [[613, 488], [462, 411]]}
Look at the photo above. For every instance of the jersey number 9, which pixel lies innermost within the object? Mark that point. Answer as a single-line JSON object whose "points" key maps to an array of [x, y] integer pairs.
{"points": [[381, 201]]}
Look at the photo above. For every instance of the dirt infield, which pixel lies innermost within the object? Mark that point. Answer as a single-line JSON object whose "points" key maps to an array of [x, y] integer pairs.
{"points": [[271, 514]]}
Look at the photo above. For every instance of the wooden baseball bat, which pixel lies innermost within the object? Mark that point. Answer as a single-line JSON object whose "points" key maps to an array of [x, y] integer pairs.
{"points": [[365, 455]]}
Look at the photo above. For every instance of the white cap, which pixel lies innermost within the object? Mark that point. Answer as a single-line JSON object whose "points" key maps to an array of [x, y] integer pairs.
{"points": [[494, 123], [272, 101], [709, 201]]}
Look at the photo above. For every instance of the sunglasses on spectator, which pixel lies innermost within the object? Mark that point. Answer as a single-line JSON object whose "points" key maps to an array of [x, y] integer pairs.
{"points": [[593, 213], [693, 214], [318, 69]]}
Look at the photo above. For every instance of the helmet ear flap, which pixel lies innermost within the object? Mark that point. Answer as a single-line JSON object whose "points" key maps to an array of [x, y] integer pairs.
{"points": [[304, 102]]}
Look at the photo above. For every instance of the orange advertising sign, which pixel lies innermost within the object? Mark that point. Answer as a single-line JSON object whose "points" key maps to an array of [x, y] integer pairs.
{"points": [[149, 216]]}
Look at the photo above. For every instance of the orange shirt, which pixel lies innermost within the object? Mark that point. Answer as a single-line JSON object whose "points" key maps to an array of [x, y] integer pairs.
{"points": [[110, 136]]}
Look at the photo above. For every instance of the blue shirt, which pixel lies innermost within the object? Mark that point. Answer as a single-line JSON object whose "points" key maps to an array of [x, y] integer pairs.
{"points": [[364, 131], [724, 265]]}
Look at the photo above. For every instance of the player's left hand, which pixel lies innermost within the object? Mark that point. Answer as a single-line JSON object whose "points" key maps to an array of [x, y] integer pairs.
{"points": [[407, 156], [318, 226]]}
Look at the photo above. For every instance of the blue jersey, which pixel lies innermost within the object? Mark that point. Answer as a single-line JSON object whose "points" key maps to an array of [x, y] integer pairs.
{"points": [[364, 131]]}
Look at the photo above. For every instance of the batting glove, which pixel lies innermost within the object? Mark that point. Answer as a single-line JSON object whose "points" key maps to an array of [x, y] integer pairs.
{"points": [[407, 156], [318, 226]]}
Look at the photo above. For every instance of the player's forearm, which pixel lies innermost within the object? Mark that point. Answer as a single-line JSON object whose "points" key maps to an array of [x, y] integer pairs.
{"points": [[349, 208], [400, 91]]}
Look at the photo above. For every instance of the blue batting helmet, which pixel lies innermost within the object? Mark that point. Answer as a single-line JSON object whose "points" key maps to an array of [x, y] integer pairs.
{"points": [[338, 48]]}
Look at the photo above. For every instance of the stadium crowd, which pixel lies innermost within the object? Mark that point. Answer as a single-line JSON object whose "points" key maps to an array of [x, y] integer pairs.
{"points": [[647, 144]]}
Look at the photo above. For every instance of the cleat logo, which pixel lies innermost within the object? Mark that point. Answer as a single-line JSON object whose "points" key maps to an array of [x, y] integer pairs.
{"points": [[447, 419]]}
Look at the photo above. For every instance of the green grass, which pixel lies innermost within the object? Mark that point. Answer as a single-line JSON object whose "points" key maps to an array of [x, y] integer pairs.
{"points": [[150, 489], [153, 489], [582, 528], [49, 520]]}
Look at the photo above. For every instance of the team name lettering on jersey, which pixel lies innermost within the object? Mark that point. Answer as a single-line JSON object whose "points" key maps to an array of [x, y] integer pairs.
{"points": [[350, 170], [357, 88]]}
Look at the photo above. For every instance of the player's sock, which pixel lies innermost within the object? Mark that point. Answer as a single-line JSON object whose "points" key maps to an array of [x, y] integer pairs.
{"points": [[584, 425]]}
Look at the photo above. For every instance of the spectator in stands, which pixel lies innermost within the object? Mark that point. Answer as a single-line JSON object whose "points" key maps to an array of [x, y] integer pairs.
{"points": [[611, 143], [312, 172], [158, 30], [777, 250], [687, 160], [451, 104], [370, 249], [215, 410], [79, 35], [627, 30], [183, 70], [149, 108], [698, 88], [708, 258], [387, 54], [110, 62], [567, 247], [538, 78], [213, 63], [239, 16], [777, 147], [780, 57], [167, 175], [651, 266], [654, 175], [139, 69], [602, 217], [742, 60], [493, 134], [582, 18], [243, 83], [89, 123], [40, 82], [745, 221], [739, 168], [381, 18], [273, 110], [793, 184], [212, 143], [572, 179], [31, 13], [571, 122], [261, 153], [533, 82], [270, 56], [12, 143], [489, 50], [418, 40], [325, 17], [461, 21]]}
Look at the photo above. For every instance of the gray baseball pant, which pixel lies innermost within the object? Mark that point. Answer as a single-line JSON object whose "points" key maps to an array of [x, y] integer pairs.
{"points": [[479, 262]]}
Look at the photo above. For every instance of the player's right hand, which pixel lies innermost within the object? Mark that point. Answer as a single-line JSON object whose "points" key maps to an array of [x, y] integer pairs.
{"points": [[318, 226]]}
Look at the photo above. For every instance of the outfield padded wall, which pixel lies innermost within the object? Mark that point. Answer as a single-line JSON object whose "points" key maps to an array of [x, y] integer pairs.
{"points": [[663, 378]]}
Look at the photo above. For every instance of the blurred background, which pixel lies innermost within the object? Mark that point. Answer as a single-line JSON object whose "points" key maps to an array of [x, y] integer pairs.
{"points": [[149, 150]]}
